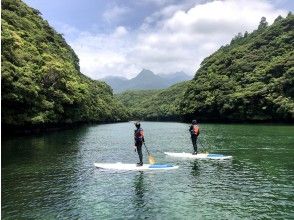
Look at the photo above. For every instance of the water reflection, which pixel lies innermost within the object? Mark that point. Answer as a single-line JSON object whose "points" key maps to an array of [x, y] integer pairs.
{"points": [[44, 173], [195, 168], [40, 147], [140, 190]]}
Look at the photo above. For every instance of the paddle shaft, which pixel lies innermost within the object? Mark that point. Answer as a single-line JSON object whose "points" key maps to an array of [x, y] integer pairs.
{"points": [[146, 148]]}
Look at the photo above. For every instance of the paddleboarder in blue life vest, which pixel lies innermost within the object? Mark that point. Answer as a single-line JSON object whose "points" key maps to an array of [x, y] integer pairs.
{"points": [[139, 140], [195, 131]]}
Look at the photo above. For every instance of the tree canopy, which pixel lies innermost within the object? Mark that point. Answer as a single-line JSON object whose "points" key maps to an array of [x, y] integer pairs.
{"points": [[41, 78], [154, 104], [250, 79]]}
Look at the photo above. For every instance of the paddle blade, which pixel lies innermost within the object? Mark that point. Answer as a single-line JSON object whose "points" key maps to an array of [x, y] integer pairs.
{"points": [[151, 159]]}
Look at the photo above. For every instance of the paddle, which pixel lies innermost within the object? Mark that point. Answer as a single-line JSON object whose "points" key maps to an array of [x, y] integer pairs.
{"points": [[150, 157]]}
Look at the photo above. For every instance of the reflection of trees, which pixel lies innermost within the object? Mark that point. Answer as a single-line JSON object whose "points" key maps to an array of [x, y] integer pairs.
{"points": [[140, 189], [43, 170], [41, 148]]}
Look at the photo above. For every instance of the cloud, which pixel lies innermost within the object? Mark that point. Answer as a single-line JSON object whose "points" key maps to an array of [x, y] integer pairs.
{"points": [[174, 38], [66, 29], [156, 2], [104, 54], [120, 31], [115, 13], [221, 16], [183, 40]]}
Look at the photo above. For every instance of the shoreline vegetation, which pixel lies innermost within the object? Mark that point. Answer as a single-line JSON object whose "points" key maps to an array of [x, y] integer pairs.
{"points": [[250, 80]]}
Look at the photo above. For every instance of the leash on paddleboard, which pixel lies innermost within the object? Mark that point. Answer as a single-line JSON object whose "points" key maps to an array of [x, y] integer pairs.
{"points": [[150, 157]]}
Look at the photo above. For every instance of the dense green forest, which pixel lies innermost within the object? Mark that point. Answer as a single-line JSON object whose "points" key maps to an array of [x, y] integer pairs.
{"points": [[154, 104], [41, 78], [251, 79]]}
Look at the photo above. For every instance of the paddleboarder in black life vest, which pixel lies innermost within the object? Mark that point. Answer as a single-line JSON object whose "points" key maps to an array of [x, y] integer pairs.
{"points": [[194, 130], [139, 139]]}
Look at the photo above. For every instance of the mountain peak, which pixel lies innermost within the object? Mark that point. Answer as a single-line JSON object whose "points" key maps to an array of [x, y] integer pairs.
{"points": [[145, 74], [146, 79]]}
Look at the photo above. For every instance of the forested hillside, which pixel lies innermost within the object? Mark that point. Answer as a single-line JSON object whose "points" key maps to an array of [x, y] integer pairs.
{"points": [[154, 104], [252, 79], [41, 79]]}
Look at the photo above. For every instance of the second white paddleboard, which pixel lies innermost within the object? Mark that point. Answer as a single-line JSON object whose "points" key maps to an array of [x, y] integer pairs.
{"points": [[198, 156]]}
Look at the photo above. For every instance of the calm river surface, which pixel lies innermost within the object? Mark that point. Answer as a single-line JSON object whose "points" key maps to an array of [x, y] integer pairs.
{"points": [[52, 176]]}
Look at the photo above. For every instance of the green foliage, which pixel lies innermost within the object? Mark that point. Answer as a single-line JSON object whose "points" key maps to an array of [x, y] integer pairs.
{"points": [[154, 104], [41, 79], [250, 79]]}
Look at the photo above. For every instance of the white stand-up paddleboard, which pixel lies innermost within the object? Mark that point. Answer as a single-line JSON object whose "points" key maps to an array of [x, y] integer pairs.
{"points": [[125, 166], [198, 156]]}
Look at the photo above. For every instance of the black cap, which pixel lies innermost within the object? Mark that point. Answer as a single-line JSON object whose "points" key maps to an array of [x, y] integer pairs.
{"points": [[194, 122], [137, 124]]}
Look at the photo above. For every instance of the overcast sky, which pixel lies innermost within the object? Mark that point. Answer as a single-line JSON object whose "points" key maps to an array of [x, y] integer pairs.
{"points": [[121, 37]]}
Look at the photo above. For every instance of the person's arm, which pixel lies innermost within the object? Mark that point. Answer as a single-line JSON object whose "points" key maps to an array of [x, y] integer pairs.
{"points": [[191, 128], [135, 137], [142, 134], [135, 147]]}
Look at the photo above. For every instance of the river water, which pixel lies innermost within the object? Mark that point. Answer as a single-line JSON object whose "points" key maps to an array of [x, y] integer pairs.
{"points": [[52, 176]]}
